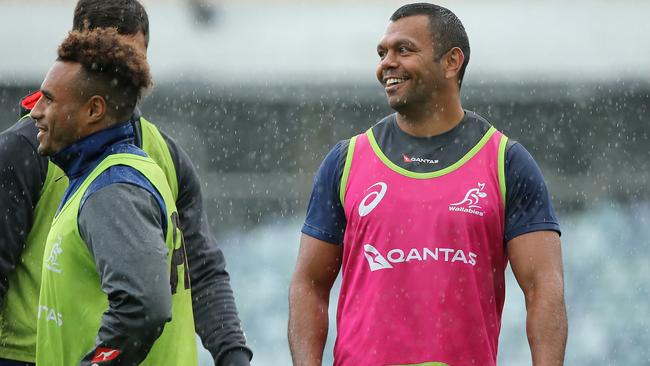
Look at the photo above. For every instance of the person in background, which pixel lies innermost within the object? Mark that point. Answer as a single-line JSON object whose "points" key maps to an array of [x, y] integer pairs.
{"points": [[33, 188], [421, 215]]}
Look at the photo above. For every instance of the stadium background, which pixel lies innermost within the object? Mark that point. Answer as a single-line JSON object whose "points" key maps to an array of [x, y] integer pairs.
{"points": [[258, 91]]}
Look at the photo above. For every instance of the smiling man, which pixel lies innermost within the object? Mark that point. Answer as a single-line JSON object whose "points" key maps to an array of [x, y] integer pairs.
{"points": [[115, 286], [421, 214]]}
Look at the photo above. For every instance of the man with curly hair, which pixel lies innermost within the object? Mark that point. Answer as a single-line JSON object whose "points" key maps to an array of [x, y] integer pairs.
{"points": [[36, 187], [117, 222]]}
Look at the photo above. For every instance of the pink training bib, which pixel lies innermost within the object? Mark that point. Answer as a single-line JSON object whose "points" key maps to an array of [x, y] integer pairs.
{"points": [[424, 259]]}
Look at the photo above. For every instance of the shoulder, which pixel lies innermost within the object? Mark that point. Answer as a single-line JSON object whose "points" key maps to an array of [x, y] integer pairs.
{"points": [[529, 206], [518, 159], [521, 169], [118, 193], [150, 128], [325, 219], [119, 176], [332, 165], [181, 167], [515, 152], [339, 151], [478, 121], [179, 156], [119, 214]]}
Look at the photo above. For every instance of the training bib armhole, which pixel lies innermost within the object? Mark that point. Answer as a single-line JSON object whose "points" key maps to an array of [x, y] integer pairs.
{"points": [[346, 170], [155, 145], [502, 167]]}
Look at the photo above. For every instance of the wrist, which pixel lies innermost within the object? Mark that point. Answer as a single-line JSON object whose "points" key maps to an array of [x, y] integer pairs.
{"points": [[235, 357]]}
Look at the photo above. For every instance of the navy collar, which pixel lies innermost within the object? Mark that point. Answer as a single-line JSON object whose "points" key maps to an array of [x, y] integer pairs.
{"points": [[82, 155]]}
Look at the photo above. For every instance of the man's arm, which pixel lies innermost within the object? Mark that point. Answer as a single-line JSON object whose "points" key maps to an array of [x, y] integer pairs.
{"points": [[317, 266], [122, 227], [22, 173], [215, 313], [319, 262], [536, 261]]}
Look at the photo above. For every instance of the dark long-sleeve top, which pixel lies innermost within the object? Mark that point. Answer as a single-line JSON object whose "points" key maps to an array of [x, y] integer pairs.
{"points": [[122, 220], [22, 174]]}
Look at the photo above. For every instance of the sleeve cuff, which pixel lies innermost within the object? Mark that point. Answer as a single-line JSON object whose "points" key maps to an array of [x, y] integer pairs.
{"points": [[235, 357], [321, 235], [546, 226]]}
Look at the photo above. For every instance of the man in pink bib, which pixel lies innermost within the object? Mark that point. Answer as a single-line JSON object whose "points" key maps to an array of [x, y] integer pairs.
{"points": [[421, 214]]}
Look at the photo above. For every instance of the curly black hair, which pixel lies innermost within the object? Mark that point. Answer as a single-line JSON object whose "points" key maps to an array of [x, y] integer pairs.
{"points": [[111, 68]]}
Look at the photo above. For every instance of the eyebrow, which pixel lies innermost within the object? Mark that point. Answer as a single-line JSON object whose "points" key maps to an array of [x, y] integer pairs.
{"points": [[47, 93], [406, 42], [398, 43]]}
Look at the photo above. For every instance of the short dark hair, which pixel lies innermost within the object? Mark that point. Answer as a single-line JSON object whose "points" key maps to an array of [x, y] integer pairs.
{"points": [[447, 31], [111, 68], [128, 16]]}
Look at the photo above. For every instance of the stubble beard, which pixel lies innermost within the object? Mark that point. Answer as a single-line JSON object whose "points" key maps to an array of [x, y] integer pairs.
{"points": [[398, 104], [43, 150], [405, 103]]}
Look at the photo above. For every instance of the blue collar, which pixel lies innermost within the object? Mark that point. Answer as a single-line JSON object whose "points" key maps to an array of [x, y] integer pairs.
{"points": [[82, 155]]}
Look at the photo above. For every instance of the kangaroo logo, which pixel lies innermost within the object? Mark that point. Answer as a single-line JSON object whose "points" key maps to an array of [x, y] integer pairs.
{"points": [[366, 207], [105, 354], [52, 262], [375, 259], [472, 197]]}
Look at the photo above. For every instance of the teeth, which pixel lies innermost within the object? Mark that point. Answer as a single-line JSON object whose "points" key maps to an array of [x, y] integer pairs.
{"points": [[393, 81]]}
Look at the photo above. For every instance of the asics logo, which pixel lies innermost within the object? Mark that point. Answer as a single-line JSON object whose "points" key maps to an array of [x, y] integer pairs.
{"points": [[372, 199], [375, 259]]}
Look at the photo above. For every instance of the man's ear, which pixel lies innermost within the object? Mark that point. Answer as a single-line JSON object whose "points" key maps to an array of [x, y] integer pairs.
{"points": [[96, 109], [453, 62]]}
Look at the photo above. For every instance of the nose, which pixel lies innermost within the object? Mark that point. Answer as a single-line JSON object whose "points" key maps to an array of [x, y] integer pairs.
{"points": [[389, 60], [386, 63]]}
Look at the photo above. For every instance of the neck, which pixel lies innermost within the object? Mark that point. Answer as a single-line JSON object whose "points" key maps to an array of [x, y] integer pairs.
{"points": [[98, 126], [77, 158], [436, 117]]}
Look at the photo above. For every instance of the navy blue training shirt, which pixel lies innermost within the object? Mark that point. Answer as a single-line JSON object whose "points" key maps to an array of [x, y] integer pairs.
{"points": [[528, 203]]}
